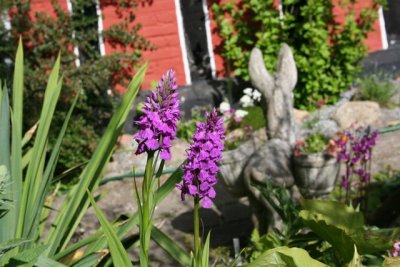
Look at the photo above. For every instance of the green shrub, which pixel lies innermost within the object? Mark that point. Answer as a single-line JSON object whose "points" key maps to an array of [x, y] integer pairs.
{"points": [[26, 177], [377, 87], [255, 118], [327, 54], [44, 38]]}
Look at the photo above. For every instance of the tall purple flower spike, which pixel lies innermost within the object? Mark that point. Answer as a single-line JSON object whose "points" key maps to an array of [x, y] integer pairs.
{"points": [[200, 170], [157, 126]]}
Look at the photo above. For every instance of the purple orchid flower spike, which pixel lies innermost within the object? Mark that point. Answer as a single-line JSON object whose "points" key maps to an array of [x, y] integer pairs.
{"points": [[157, 126], [201, 168]]}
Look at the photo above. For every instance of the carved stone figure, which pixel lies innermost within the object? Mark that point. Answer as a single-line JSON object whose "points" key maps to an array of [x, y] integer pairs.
{"points": [[254, 161]]}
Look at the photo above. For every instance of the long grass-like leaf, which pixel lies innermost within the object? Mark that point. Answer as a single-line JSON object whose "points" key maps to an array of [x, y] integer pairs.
{"points": [[7, 220], [48, 174], [117, 250], [5, 129], [17, 121], [34, 172], [18, 85], [205, 252], [77, 202], [44, 261], [170, 246], [162, 193]]}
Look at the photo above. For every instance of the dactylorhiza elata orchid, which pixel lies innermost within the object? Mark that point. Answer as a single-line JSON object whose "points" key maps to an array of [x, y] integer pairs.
{"points": [[157, 130], [203, 155], [200, 172], [395, 252], [355, 150], [157, 126]]}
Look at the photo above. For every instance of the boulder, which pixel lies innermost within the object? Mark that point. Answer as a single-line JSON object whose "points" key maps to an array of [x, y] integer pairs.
{"points": [[327, 128], [359, 113], [300, 115]]}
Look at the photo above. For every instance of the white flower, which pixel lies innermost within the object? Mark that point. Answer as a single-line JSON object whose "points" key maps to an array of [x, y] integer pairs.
{"points": [[224, 107], [246, 101], [248, 91], [240, 113], [256, 95]]}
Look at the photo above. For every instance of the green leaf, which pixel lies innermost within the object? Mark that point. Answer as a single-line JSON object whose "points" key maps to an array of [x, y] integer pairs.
{"points": [[88, 260], [339, 214], [77, 202], [43, 261], [48, 173], [16, 149], [285, 257], [26, 258], [132, 222], [206, 251], [34, 173], [7, 219], [118, 253], [170, 246], [391, 262], [343, 228], [5, 129], [356, 261], [10, 244]]}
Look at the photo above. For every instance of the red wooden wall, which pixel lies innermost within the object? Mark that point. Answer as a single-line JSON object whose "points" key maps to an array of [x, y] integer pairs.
{"points": [[160, 27]]}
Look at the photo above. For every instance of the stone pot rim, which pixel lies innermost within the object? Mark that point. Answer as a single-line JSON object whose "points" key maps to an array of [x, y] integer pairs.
{"points": [[320, 158]]}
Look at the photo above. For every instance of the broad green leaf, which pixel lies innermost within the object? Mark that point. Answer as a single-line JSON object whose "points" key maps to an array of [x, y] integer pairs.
{"points": [[286, 257], [170, 246], [77, 201], [337, 237], [117, 250], [343, 228], [337, 213]]}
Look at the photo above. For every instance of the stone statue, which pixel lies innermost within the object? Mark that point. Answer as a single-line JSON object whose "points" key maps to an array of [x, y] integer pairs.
{"points": [[256, 161]]}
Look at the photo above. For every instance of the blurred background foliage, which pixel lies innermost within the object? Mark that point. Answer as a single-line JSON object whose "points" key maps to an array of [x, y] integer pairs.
{"points": [[327, 53], [97, 77]]}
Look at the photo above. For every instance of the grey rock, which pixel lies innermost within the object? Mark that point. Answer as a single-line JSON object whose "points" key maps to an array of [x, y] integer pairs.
{"points": [[327, 128], [360, 113]]}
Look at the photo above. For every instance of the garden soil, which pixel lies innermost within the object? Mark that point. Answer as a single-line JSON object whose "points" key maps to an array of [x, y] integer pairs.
{"points": [[230, 218]]}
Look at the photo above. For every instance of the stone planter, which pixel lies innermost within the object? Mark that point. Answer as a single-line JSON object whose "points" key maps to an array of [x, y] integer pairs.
{"points": [[315, 174]]}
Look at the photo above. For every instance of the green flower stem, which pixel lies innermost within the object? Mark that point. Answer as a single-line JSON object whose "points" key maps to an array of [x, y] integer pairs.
{"points": [[196, 226], [146, 218]]}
